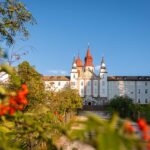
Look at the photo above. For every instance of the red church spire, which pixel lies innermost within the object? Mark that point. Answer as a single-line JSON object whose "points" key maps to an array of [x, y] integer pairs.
{"points": [[88, 59]]}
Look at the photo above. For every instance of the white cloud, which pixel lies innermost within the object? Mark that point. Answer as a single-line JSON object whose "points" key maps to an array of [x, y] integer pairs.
{"points": [[57, 72], [97, 68]]}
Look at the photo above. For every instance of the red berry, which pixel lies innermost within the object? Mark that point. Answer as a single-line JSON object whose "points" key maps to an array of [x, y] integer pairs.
{"points": [[128, 127], [12, 111], [12, 101], [56, 113], [20, 107], [142, 124]]}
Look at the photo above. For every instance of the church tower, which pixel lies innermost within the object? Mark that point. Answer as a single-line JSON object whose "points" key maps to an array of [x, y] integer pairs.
{"points": [[79, 65], [103, 81], [89, 61], [74, 75]]}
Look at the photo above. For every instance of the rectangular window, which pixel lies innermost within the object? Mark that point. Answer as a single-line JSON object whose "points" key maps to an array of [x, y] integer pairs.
{"points": [[146, 91], [139, 101], [139, 91], [145, 83], [146, 101]]}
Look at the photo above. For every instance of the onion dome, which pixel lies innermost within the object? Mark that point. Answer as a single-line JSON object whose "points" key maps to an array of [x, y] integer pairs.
{"points": [[79, 62], [74, 65], [103, 66]]}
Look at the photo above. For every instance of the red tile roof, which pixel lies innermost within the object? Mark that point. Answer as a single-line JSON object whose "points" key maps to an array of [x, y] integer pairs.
{"points": [[56, 78]]}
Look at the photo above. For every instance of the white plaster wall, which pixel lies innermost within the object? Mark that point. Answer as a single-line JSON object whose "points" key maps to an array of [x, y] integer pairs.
{"points": [[95, 88], [81, 88], [112, 89], [141, 87], [74, 80], [88, 87], [134, 89], [103, 85], [4, 77], [74, 75], [129, 89], [89, 68], [56, 85], [121, 88]]}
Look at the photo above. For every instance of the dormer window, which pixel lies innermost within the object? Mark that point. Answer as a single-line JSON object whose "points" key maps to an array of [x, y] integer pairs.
{"points": [[140, 78]]}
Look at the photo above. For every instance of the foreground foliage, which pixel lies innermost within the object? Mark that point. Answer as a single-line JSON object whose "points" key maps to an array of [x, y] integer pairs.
{"points": [[114, 134], [39, 129], [36, 122]]}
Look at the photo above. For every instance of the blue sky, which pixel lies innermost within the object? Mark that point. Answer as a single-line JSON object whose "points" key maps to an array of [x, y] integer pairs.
{"points": [[117, 29]]}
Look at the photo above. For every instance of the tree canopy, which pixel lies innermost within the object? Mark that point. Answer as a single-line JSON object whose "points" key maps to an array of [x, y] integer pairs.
{"points": [[33, 80], [14, 18], [65, 100], [123, 105]]}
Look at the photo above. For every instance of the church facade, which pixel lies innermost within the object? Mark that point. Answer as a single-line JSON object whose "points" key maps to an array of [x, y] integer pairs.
{"points": [[99, 89]]}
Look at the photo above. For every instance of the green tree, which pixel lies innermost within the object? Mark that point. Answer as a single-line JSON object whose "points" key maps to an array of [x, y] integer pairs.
{"points": [[123, 105], [14, 19], [144, 111], [64, 101], [32, 78], [70, 100], [35, 84]]}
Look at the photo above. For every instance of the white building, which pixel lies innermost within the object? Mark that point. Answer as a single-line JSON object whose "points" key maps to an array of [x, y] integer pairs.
{"points": [[99, 89], [3, 77]]}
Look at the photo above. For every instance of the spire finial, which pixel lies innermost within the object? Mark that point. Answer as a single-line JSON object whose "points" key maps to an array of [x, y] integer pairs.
{"points": [[102, 59], [78, 54], [74, 58], [74, 62], [88, 44]]}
